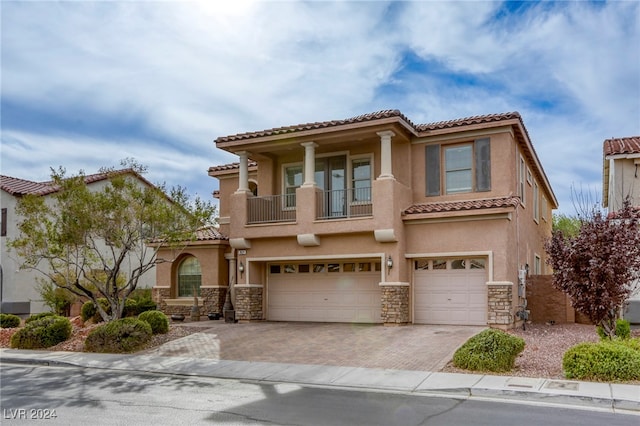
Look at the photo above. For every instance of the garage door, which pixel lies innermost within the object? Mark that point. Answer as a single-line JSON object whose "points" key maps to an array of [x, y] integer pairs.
{"points": [[450, 291], [324, 292]]}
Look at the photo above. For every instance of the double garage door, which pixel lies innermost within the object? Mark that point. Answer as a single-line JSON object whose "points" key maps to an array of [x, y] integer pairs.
{"points": [[324, 292], [450, 291]]}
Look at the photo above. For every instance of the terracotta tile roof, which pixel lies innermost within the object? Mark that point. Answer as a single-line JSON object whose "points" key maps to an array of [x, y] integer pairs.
{"points": [[209, 234], [230, 166], [450, 206], [20, 187], [615, 146], [317, 125], [17, 186], [476, 119]]}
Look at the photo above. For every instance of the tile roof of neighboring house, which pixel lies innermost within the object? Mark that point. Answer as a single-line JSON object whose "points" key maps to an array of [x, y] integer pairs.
{"points": [[615, 146], [209, 233], [450, 206], [231, 166], [20, 187], [477, 119]]}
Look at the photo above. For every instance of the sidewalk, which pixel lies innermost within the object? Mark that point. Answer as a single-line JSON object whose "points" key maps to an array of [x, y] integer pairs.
{"points": [[598, 396]]}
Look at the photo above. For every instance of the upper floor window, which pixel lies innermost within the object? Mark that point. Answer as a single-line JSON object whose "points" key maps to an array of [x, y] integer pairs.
{"points": [[3, 222], [292, 181], [458, 168], [189, 277], [361, 179], [536, 202], [521, 183], [544, 208]]}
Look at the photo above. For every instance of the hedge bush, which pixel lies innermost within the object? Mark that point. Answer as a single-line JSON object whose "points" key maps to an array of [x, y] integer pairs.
{"points": [[623, 330], [42, 333], [157, 320], [489, 350], [9, 321], [89, 311], [36, 317], [608, 360], [145, 305], [119, 336], [130, 308]]}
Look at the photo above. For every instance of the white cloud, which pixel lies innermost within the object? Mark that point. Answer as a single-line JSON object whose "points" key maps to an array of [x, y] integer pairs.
{"points": [[188, 72]]}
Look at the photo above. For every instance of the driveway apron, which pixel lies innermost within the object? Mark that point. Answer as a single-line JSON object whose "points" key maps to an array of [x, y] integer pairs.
{"points": [[411, 347]]}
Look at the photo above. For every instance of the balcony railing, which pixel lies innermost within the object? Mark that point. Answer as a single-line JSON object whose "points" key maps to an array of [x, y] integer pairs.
{"points": [[344, 203], [271, 209]]}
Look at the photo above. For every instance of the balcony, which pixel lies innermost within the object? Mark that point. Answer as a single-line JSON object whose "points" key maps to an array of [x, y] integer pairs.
{"points": [[271, 209], [344, 203], [336, 204]]}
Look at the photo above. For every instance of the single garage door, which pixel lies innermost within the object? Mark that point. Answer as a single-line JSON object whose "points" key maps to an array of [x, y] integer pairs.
{"points": [[450, 291], [324, 292]]}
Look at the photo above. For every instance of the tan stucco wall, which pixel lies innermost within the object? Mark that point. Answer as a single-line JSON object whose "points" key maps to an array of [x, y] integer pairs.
{"points": [[213, 265]]}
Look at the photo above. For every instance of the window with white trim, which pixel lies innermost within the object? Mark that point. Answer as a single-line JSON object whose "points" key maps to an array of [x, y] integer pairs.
{"points": [[459, 168], [361, 179], [537, 265], [292, 181], [521, 183], [536, 202], [544, 208]]}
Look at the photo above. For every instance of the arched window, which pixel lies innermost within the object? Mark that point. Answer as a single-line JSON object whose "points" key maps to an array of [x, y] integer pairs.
{"points": [[189, 277]]}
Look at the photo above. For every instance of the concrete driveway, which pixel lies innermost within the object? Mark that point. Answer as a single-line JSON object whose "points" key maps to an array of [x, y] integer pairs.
{"points": [[411, 347]]}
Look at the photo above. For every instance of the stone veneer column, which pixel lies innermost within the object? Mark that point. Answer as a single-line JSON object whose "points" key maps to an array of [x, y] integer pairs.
{"points": [[213, 297], [499, 299], [395, 303], [248, 302]]}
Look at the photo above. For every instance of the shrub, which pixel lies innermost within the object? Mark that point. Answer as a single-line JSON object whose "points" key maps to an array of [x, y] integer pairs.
{"points": [[9, 321], [623, 330], [119, 336], [146, 305], [489, 350], [57, 298], [608, 360], [36, 317], [42, 333], [89, 311], [157, 320], [130, 308]]}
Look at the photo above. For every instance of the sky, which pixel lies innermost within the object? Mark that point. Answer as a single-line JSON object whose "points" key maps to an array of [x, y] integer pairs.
{"points": [[86, 84]]}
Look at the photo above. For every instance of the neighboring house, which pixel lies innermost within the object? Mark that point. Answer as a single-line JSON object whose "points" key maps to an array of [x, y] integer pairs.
{"points": [[374, 219], [621, 179], [18, 288]]}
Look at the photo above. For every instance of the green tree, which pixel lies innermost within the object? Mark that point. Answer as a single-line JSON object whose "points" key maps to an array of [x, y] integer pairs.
{"points": [[92, 241], [568, 225], [597, 267]]}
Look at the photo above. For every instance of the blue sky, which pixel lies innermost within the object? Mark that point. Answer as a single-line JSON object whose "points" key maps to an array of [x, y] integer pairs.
{"points": [[86, 84]]}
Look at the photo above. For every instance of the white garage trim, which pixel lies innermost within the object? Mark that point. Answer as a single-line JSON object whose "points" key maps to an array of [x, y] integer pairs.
{"points": [[324, 257], [451, 255]]}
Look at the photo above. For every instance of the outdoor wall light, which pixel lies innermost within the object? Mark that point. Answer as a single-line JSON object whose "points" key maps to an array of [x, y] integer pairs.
{"points": [[241, 268], [389, 262]]}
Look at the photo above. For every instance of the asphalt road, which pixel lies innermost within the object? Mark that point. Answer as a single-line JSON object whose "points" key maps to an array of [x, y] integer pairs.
{"points": [[80, 396]]}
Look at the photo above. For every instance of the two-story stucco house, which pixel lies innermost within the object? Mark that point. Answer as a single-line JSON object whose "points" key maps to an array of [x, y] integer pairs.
{"points": [[621, 179], [375, 219], [19, 288]]}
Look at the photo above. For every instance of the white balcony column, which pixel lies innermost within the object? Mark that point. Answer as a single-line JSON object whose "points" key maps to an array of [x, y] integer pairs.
{"points": [[243, 183], [309, 163], [385, 154]]}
